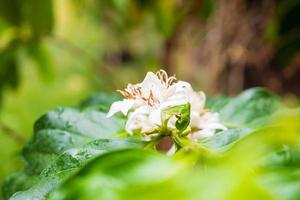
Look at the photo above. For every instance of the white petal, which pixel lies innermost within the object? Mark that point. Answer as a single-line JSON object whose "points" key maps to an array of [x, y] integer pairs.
{"points": [[143, 109], [202, 134], [123, 106], [207, 121], [197, 101], [138, 121], [155, 116], [172, 122], [180, 91], [152, 83], [170, 91], [195, 120], [182, 86], [214, 126]]}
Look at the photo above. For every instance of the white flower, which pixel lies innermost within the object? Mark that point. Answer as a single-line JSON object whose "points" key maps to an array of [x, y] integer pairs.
{"points": [[145, 102]]}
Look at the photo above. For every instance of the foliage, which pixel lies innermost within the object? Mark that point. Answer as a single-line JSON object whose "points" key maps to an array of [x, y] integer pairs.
{"points": [[76, 153], [83, 46], [23, 25]]}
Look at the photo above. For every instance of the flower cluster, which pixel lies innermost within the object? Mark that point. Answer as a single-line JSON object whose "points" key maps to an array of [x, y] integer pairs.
{"points": [[145, 104]]}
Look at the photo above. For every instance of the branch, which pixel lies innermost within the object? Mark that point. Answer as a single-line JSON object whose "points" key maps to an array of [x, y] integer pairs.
{"points": [[12, 134]]}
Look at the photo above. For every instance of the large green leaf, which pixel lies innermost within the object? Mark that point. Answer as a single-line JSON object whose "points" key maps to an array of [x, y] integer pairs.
{"points": [[77, 153], [64, 140], [127, 174], [38, 187], [223, 140], [236, 174], [64, 128], [252, 108]]}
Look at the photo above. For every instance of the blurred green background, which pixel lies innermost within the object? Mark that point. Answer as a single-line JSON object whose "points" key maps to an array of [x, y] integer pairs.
{"points": [[58, 52]]}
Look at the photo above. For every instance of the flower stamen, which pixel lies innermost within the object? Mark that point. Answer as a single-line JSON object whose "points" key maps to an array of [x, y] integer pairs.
{"points": [[151, 101], [134, 91], [165, 79], [131, 92]]}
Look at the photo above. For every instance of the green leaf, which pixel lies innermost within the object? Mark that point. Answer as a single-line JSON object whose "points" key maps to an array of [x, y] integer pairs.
{"points": [[283, 183], [223, 140], [39, 15], [287, 156], [182, 113], [252, 108], [216, 103], [76, 154], [126, 174], [67, 163], [64, 140], [17, 182]]}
